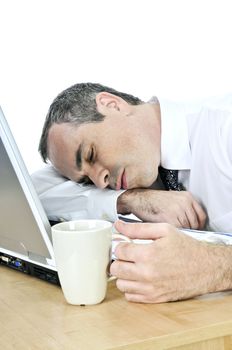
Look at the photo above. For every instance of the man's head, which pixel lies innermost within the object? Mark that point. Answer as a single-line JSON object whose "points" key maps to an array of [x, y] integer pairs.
{"points": [[96, 133]]}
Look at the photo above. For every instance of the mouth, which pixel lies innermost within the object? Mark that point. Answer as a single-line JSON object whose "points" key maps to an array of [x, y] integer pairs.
{"points": [[122, 183]]}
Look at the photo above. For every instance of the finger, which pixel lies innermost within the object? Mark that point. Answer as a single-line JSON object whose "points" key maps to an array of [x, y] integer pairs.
{"points": [[191, 219], [201, 215], [136, 291], [124, 270], [147, 299], [131, 252], [133, 287], [143, 230], [183, 221], [137, 298], [142, 292]]}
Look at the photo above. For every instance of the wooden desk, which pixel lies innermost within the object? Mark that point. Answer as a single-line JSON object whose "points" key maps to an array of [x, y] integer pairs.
{"points": [[34, 315]]}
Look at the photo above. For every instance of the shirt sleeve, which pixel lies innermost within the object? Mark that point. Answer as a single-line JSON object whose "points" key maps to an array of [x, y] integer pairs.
{"points": [[63, 199]]}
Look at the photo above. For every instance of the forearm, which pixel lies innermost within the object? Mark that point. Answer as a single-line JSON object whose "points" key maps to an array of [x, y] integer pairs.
{"points": [[124, 202], [137, 201], [178, 208], [218, 262]]}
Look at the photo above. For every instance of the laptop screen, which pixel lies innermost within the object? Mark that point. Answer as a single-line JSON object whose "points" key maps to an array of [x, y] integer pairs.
{"points": [[24, 227]]}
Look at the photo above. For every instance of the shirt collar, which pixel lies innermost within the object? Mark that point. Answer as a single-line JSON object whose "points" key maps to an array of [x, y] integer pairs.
{"points": [[175, 148]]}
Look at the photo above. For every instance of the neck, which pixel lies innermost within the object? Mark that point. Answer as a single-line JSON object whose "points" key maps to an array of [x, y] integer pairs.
{"points": [[147, 117], [153, 114]]}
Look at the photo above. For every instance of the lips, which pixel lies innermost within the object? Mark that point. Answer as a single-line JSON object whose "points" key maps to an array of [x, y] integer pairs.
{"points": [[121, 183]]}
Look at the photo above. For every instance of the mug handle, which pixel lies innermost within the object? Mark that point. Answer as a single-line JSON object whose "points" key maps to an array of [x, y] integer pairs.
{"points": [[121, 238]]}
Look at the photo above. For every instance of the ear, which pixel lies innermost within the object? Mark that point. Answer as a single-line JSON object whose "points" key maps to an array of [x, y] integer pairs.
{"points": [[106, 101]]}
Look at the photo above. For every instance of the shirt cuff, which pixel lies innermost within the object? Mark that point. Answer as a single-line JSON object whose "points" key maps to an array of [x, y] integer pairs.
{"points": [[102, 204]]}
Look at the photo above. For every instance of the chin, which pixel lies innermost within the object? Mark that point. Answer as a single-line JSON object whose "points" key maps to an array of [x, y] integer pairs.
{"points": [[148, 182], [143, 181], [142, 184]]}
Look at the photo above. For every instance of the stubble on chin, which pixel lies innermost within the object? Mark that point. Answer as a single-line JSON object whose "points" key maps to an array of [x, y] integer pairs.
{"points": [[143, 181]]}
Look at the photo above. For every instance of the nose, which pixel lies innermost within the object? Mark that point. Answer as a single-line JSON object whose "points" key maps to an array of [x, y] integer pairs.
{"points": [[100, 176]]}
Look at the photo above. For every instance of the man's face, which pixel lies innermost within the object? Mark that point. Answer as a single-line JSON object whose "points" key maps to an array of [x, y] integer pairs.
{"points": [[113, 153]]}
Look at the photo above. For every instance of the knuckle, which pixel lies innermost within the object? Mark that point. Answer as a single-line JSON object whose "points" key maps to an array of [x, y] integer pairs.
{"points": [[187, 196], [148, 275]]}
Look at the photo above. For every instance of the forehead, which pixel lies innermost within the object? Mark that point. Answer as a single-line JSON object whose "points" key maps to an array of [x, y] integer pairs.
{"points": [[63, 142], [61, 136], [69, 134]]}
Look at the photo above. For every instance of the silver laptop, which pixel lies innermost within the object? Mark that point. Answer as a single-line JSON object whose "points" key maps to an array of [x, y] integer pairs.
{"points": [[25, 232]]}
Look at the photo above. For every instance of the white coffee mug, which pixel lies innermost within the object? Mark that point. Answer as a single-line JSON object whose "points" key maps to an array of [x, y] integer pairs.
{"points": [[82, 250]]}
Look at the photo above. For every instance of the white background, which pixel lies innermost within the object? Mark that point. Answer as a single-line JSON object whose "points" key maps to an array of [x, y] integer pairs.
{"points": [[176, 49]]}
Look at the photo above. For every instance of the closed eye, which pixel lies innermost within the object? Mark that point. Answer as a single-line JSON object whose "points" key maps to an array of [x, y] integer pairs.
{"points": [[91, 155]]}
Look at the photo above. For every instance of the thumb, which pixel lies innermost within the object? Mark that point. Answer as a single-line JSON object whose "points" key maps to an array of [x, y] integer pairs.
{"points": [[144, 230]]}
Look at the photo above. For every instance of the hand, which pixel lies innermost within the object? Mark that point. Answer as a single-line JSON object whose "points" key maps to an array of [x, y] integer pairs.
{"points": [[177, 208], [173, 267]]}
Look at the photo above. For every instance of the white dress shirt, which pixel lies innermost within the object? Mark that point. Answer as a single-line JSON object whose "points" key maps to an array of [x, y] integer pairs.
{"points": [[63, 199], [195, 139]]}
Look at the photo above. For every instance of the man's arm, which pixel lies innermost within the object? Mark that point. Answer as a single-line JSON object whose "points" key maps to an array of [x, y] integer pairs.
{"points": [[177, 208], [173, 267], [63, 199]]}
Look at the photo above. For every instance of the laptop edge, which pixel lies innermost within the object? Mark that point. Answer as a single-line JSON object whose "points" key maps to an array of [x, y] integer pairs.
{"points": [[25, 232]]}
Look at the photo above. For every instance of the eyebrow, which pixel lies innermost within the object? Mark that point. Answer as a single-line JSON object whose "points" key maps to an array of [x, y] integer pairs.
{"points": [[79, 157]]}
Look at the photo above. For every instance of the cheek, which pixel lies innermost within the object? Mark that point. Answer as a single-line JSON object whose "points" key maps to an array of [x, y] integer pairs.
{"points": [[113, 152]]}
